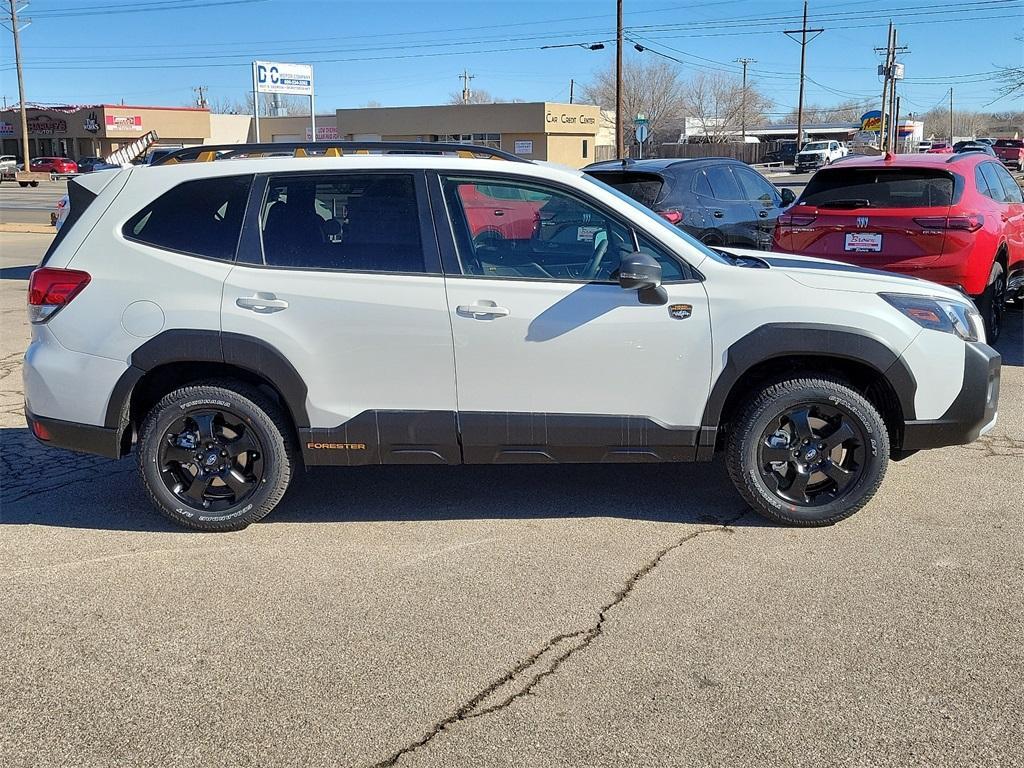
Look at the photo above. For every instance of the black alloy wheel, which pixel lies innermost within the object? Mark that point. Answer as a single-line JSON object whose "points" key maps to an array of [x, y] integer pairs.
{"points": [[811, 455], [211, 460]]}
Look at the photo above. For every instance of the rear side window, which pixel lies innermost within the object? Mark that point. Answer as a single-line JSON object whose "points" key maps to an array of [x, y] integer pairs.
{"points": [[1011, 189], [880, 188], [723, 183], [992, 186], [200, 218], [646, 188], [1010, 143], [363, 222]]}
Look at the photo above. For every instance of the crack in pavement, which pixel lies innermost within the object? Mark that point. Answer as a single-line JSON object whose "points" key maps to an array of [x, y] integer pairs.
{"points": [[582, 639]]}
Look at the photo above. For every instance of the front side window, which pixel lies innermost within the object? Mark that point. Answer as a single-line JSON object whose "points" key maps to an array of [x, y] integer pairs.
{"points": [[201, 217], [755, 188], [364, 222], [515, 229]]}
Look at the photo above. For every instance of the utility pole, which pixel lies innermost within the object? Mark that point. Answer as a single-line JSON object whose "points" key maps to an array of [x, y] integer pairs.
{"points": [[466, 93], [200, 91], [889, 131], [21, 80], [572, 85], [804, 40], [743, 97], [620, 144], [950, 114], [896, 122], [886, 69]]}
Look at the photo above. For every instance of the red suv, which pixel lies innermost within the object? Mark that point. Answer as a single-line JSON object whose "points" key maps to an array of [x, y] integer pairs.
{"points": [[956, 220], [59, 165]]}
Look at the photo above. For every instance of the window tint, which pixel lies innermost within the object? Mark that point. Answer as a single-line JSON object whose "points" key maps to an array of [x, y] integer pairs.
{"points": [[367, 222], [723, 183], [1010, 143], [896, 188], [702, 186], [982, 182], [546, 234], [755, 188], [993, 187], [202, 217], [1011, 190], [645, 188]]}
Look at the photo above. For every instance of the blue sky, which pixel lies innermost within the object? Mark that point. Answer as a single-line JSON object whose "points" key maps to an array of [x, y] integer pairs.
{"points": [[404, 53]]}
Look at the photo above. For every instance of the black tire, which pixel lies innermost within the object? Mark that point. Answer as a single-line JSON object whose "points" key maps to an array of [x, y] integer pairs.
{"points": [[762, 434], [992, 303], [33, 183], [248, 447], [22, 183]]}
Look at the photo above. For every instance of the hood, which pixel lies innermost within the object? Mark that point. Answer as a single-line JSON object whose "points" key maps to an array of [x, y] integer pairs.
{"points": [[839, 276], [812, 152]]}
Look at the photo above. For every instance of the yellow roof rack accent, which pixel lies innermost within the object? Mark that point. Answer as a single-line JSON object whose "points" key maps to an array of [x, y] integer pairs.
{"points": [[312, 149], [299, 152], [333, 152], [362, 151], [205, 157]]}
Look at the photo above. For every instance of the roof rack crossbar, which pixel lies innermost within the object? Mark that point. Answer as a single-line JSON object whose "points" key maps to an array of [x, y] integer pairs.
{"points": [[333, 149]]}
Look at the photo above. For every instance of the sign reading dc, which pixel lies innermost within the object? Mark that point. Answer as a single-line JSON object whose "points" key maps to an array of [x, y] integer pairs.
{"points": [[276, 77]]}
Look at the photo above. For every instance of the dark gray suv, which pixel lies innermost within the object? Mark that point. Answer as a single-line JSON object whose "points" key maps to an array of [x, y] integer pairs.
{"points": [[717, 200]]}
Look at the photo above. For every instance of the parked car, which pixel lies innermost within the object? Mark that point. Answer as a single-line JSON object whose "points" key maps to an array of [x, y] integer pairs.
{"points": [[188, 314], [940, 148], [8, 163], [717, 200], [957, 221], [785, 154], [90, 164], [1011, 152], [816, 154], [494, 216], [974, 146], [58, 166], [924, 146]]}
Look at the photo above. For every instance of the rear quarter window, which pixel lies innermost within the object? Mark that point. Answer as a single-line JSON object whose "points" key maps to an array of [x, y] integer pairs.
{"points": [[200, 218], [882, 188]]}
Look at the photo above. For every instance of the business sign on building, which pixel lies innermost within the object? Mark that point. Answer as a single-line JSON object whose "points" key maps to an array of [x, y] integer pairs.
{"points": [[6, 129], [871, 121], [524, 146], [44, 125], [278, 77], [323, 133], [124, 122]]}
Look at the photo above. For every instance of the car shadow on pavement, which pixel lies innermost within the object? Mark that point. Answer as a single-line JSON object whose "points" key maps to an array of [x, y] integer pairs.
{"points": [[1011, 340], [16, 273], [45, 486]]}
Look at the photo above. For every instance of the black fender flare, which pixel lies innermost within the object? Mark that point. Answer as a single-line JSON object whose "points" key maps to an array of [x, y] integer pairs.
{"points": [[198, 346], [780, 340]]}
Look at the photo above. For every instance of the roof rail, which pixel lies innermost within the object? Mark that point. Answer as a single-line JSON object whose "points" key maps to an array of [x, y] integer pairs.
{"points": [[964, 153], [212, 152]]}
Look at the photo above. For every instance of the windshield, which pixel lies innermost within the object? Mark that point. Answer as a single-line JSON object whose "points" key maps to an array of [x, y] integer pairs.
{"points": [[815, 146], [662, 223]]}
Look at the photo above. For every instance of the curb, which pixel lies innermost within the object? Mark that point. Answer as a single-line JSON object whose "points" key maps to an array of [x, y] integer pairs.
{"points": [[29, 229]]}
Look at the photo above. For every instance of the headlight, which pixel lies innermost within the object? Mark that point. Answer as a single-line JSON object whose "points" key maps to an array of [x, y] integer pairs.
{"points": [[940, 314]]}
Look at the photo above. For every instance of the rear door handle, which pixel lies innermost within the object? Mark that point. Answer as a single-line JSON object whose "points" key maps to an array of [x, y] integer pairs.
{"points": [[482, 309], [718, 214], [763, 214], [264, 303]]}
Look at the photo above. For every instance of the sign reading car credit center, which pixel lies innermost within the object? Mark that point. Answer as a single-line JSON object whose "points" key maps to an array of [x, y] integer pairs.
{"points": [[278, 77], [570, 121]]}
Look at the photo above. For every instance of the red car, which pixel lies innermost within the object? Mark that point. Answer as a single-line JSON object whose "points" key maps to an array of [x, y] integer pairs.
{"points": [[493, 217], [956, 220], [1011, 152], [58, 165], [939, 148]]}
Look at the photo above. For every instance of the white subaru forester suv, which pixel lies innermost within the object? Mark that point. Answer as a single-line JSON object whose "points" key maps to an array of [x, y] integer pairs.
{"points": [[235, 315]]}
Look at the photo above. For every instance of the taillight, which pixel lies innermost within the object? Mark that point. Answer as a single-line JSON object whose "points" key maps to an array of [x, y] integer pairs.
{"points": [[796, 219], [49, 289], [672, 217], [972, 222]]}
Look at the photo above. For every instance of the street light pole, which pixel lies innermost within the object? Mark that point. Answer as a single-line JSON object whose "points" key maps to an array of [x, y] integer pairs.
{"points": [[21, 84], [620, 144]]}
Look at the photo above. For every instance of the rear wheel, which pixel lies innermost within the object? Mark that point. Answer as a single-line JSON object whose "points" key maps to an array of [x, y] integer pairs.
{"points": [[808, 452], [215, 457], [992, 303]]}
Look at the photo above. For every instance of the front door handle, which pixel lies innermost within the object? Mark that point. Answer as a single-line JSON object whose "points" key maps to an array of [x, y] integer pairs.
{"points": [[718, 214], [763, 214], [482, 309], [264, 303]]}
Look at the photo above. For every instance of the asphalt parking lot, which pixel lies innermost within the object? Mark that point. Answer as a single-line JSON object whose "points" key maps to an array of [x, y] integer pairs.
{"points": [[508, 616]]}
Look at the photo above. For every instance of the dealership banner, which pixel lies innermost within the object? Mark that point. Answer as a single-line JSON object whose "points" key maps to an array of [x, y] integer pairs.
{"points": [[278, 77]]}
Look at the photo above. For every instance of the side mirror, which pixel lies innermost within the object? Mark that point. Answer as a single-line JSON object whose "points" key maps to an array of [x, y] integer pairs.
{"points": [[788, 196], [639, 271]]}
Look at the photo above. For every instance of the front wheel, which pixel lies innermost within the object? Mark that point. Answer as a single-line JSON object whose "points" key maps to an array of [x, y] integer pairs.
{"points": [[215, 457], [808, 452]]}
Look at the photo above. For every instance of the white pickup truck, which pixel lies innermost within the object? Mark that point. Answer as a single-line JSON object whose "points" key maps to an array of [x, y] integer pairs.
{"points": [[815, 154]]}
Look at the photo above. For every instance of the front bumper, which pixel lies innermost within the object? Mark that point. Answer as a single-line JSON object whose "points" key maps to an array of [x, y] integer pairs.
{"points": [[809, 164], [972, 413]]}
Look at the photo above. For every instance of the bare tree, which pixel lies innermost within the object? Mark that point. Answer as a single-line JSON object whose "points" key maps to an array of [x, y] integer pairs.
{"points": [[653, 89], [845, 112], [479, 96], [225, 105], [965, 122], [715, 103]]}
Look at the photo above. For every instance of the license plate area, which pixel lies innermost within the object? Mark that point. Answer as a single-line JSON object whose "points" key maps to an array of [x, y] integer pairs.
{"points": [[863, 242]]}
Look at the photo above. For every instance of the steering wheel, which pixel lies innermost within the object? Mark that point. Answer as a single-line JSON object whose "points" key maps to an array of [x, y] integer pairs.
{"points": [[595, 263]]}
